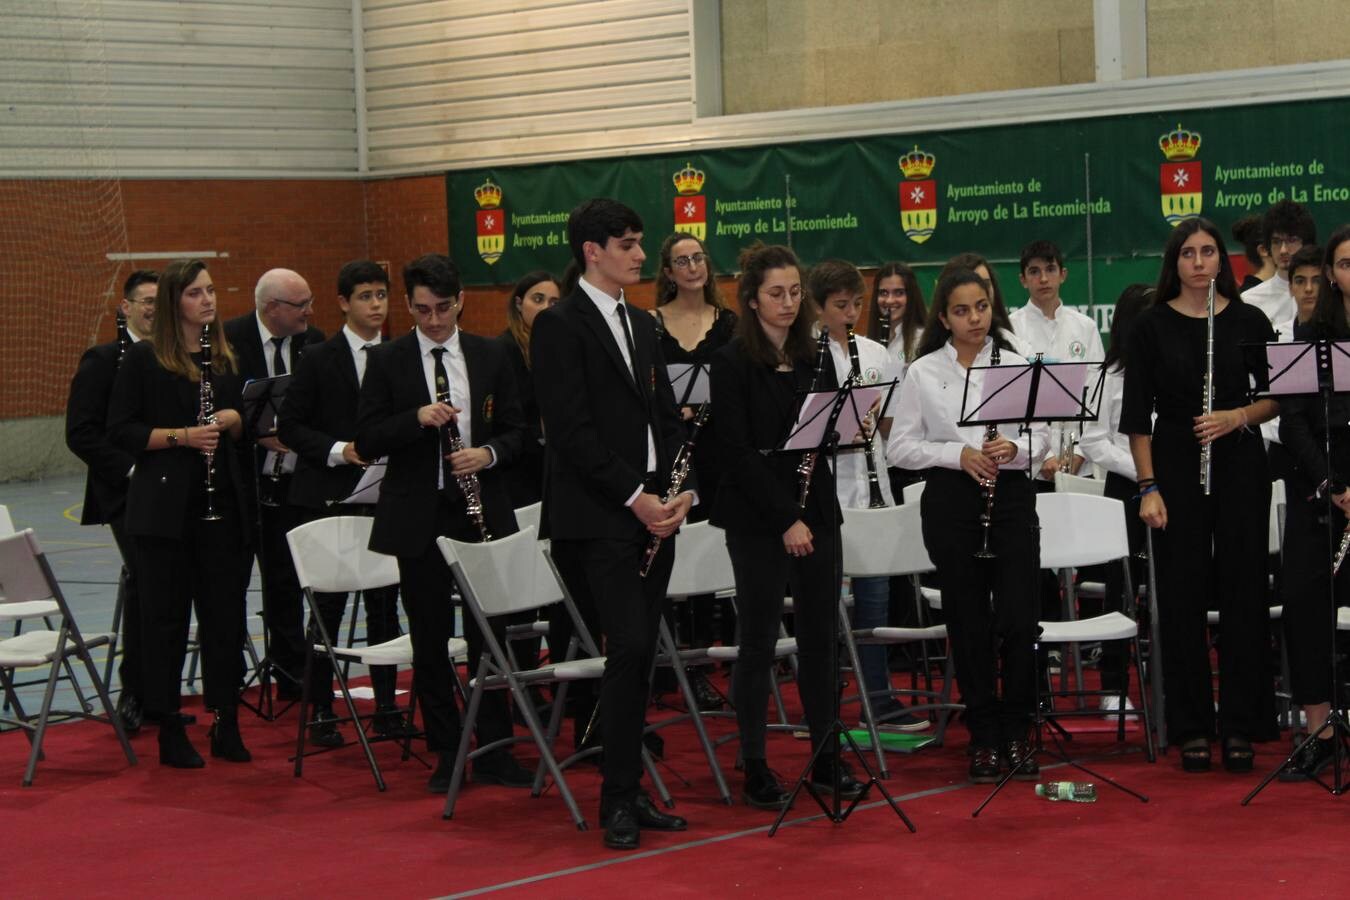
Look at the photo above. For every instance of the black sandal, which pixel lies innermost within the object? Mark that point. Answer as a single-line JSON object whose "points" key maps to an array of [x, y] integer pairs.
{"points": [[1195, 755], [1238, 755]]}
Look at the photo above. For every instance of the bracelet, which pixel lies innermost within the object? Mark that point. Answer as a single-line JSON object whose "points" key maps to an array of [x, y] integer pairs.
{"points": [[1145, 482], [1152, 488], [172, 437]]}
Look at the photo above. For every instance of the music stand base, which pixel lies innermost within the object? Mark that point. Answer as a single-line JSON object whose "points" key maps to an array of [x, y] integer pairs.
{"points": [[1340, 759]]}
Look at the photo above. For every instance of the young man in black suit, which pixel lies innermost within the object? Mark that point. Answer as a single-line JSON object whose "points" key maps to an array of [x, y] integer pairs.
{"points": [[269, 342], [105, 486], [318, 422], [613, 432], [399, 417]]}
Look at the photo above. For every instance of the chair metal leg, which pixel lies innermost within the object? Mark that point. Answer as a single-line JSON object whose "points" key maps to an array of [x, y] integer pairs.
{"points": [[547, 760], [101, 690], [45, 712], [869, 719], [118, 605], [465, 737], [945, 712], [667, 639]]}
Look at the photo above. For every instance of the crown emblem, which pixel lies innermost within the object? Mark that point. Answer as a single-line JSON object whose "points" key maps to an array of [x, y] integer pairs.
{"points": [[1180, 144], [917, 163], [689, 180], [488, 195]]}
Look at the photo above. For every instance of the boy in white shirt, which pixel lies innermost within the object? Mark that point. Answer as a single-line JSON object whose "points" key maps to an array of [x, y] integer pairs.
{"points": [[1285, 229]]}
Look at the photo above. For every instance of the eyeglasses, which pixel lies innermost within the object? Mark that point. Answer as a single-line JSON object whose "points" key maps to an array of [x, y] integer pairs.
{"points": [[302, 304], [693, 259], [1279, 240]]}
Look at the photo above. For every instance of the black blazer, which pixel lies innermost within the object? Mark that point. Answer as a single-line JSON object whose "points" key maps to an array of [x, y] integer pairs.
{"points": [[105, 486], [386, 425], [169, 485], [596, 419], [242, 333], [755, 408], [320, 410], [525, 479]]}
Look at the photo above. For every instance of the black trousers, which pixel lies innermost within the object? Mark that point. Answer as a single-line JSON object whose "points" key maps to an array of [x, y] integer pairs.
{"points": [[426, 581], [381, 625], [603, 579], [283, 605], [129, 595], [204, 569], [1307, 606], [762, 568], [1213, 555], [990, 605]]}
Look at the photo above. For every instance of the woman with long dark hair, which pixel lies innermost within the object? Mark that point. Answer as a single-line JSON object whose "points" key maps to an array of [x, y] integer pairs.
{"points": [[1210, 548], [532, 294], [185, 557], [756, 380], [898, 299], [970, 474]]}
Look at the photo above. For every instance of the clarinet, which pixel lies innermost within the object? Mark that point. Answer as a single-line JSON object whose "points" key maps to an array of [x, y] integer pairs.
{"points": [[206, 415], [678, 473], [874, 498], [123, 337], [273, 498], [989, 484], [808, 464], [1207, 398], [468, 484]]}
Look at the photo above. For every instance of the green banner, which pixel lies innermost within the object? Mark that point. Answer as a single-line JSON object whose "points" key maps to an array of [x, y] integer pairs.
{"points": [[1106, 189]]}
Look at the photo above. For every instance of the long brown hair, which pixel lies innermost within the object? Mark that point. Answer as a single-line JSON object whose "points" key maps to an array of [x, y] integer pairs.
{"points": [[916, 311], [1169, 279], [973, 261], [755, 262], [166, 333], [515, 322], [935, 333], [667, 289]]}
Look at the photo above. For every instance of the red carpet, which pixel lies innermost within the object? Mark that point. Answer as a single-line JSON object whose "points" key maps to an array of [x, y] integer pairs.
{"points": [[93, 827]]}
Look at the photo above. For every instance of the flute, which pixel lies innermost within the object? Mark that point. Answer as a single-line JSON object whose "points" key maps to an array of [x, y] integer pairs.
{"points": [[1207, 398], [875, 499]]}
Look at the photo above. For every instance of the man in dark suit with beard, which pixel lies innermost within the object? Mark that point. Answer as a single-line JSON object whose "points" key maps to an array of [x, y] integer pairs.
{"points": [[613, 433], [399, 416], [269, 342]]}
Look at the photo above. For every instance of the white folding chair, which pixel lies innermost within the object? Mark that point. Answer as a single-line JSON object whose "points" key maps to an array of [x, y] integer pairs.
{"points": [[511, 575], [1067, 483], [528, 516], [912, 493], [888, 541], [332, 556], [1082, 530], [27, 582]]}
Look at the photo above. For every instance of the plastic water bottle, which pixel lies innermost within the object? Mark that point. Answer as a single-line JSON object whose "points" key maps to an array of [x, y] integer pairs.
{"points": [[1077, 791]]}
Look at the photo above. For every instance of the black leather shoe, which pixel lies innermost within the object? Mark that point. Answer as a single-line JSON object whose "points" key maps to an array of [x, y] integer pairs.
{"points": [[324, 732], [389, 721], [174, 748], [621, 828], [129, 711], [705, 695], [984, 766], [226, 742], [439, 782], [1015, 752], [822, 774], [649, 816], [762, 789], [1311, 761], [503, 769]]}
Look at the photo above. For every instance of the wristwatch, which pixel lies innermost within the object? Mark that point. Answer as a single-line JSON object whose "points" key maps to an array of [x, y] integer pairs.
{"points": [[173, 437]]}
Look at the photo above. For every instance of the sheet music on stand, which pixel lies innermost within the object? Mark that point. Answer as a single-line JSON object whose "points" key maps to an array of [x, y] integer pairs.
{"points": [[808, 432], [689, 381], [262, 399], [1036, 391], [367, 490], [1298, 368]]}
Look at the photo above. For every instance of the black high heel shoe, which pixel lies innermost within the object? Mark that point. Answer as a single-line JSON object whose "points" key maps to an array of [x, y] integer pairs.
{"points": [[174, 747], [226, 742]]}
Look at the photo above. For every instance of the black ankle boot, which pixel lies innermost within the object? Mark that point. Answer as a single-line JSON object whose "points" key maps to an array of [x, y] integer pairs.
{"points": [[174, 748], [226, 742]]}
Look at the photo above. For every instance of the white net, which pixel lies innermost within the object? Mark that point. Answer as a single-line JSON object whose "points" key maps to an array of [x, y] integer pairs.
{"points": [[61, 215]]}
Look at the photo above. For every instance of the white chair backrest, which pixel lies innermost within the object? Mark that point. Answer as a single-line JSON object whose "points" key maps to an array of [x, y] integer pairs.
{"points": [[702, 563], [508, 575], [333, 556], [21, 577], [1275, 540], [1080, 530], [528, 517], [1066, 483], [6, 523], [884, 541], [912, 492]]}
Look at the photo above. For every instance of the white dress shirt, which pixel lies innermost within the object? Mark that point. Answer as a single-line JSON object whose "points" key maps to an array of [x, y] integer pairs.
{"points": [[360, 354], [269, 358], [609, 311], [1103, 444], [1273, 298], [457, 370], [877, 365], [897, 346], [924, 433]]}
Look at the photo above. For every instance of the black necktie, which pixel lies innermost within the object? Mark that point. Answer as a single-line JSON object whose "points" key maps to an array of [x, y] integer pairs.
{"points": [[278, 361], [632, 351], [361, 369], [442, 378]]}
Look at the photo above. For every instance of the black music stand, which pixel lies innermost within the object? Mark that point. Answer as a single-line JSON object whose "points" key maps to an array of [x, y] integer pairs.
{"points": [[262, 398], [1311, 369], [689, 382], [816, 430], [1027, 394]]}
